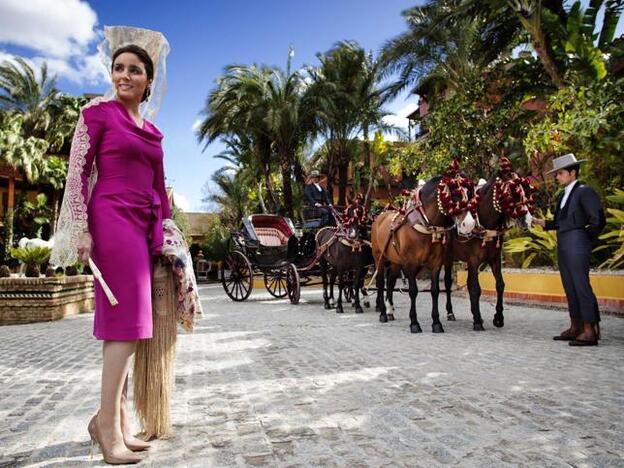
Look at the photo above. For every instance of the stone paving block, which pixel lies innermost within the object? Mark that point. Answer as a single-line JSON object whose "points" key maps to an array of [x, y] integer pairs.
{"points": [[264, 383]]}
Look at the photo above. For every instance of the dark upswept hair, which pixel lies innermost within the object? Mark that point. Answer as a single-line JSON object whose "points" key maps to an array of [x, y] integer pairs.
{"points": [[145, 59], [575, 167]]}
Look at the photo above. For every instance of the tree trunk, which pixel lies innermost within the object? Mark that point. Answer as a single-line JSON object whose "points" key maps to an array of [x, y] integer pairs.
{"points": [[55, 210], [261, 198], [299, 175], [371, 167], [10, 212], [343, 179], [286, 184], [11, 193], [270, 191], [538, 41]]}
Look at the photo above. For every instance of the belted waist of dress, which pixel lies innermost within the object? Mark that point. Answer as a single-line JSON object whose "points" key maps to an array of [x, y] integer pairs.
{"points": [[156, 236]]}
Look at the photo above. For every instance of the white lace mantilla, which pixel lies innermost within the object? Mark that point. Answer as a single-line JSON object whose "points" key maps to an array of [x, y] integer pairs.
{"points": [[73, 220]]}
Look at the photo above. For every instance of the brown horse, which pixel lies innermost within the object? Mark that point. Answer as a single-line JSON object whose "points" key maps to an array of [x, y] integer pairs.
{"points": [[505, 199], [416, 238], [346, 251]]}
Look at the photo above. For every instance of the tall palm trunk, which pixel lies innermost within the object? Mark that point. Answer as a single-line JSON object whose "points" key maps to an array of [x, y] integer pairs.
{"points": [[343, 180], [285, 159], [539, 43], [10, 211], [371, 164], [270, 190]]}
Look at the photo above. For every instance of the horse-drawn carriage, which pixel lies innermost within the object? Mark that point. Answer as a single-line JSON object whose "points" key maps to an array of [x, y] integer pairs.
{"points": [[268, 246], [261, 247]]}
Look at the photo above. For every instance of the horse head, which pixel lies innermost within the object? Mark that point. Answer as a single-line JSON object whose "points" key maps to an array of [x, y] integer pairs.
{"points": [[355, 220], [454, 195], [511, 196]]}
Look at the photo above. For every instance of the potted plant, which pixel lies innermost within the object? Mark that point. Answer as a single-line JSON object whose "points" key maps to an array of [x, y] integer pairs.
{"points": [[32, 258]]}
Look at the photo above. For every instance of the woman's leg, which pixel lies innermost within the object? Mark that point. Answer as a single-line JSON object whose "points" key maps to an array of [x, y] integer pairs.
{"points": [[131, 442], [116, 364]]}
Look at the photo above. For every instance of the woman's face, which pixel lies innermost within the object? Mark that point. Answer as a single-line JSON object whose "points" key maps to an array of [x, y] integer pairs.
{"points": [[129, 77]]}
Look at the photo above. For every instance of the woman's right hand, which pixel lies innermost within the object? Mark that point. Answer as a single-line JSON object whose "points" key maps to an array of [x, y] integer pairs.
{"points": [[85, 244]]}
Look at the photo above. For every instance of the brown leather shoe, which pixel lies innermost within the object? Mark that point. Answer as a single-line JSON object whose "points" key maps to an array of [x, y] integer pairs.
{"points": [[567, 335], [583, 343], [587, 338]]}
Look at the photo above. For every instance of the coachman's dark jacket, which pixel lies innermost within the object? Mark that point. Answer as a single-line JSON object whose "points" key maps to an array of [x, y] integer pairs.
{"points": [[582, 211]]}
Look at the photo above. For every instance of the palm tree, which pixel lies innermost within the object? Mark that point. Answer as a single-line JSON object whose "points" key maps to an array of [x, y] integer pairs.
{"points": [[21, 91], [19, 153], [54, 173], [263, 105], [346, 96], [232, 197], [240, 155]]}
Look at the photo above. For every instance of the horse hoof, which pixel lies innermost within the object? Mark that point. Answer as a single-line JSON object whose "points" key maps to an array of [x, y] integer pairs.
{"points": [[339, 310], [415, 328], [499, 322], [390, 316], [478, 327], [450, 317], [359, 310], [437, 328], [366, 304], [327, 306], [383, 318]]}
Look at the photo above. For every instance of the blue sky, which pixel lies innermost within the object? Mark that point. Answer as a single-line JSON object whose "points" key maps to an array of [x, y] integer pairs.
{"points": [[204, 37]]}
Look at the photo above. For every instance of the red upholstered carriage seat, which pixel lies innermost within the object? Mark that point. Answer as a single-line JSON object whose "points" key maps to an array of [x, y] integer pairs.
{"points": [[272, 231], [271, 237]]}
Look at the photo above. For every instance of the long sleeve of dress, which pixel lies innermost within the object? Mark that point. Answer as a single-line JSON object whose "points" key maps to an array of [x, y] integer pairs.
{"points": [[73, 219], [159, 186], [94, 122]]}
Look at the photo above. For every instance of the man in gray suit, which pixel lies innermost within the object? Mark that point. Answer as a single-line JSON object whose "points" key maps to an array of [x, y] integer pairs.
{"points": [[579, 218]]}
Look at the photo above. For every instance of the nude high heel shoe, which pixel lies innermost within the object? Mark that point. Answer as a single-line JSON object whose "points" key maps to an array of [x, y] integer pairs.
{"points": [[135, 444], [108, 457]]}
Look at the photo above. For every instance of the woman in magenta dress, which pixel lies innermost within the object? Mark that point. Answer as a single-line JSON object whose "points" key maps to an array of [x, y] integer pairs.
{"points": [[122, 232]]}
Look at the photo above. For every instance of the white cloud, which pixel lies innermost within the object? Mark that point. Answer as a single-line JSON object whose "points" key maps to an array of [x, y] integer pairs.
{"points": [[400, 118], [181, 201], [196, 125], [58, 32], [58, 28]]}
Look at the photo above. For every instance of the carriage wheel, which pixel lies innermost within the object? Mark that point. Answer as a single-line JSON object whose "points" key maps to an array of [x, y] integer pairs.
{"points": [[292, 283], [238, 282], [275, 282]]}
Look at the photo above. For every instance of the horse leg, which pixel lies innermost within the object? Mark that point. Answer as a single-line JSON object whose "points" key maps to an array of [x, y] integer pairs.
{"points": [[393, 275], [474, 290], [326, 304], [339, 309], [365, 300], [499, 319], [381, 306], [448, 285], [332, 283], [413, 292], [435, 293], [357, 273]]}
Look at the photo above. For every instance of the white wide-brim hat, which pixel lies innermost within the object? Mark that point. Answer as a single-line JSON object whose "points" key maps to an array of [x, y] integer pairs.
{"points": [[565, 161]]}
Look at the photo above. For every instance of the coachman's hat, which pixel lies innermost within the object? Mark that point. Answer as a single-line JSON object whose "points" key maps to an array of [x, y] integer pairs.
{"points": [[565, 161]]}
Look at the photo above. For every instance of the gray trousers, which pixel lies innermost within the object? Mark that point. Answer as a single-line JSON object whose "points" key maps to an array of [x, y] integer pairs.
{"points": [[573, 250]]}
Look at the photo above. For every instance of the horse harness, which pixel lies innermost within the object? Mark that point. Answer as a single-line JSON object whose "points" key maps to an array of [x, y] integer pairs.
{"points": [[339, 236], [422, 225]]}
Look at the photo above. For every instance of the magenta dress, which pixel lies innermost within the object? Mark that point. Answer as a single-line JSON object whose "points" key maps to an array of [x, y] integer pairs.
{"points": [[125, 212]]}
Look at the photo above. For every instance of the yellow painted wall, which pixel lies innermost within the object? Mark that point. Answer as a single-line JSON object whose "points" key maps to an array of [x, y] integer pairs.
{"points": [[605, 286]]}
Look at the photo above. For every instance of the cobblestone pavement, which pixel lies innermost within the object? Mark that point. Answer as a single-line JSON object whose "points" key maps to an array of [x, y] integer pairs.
{"points": [[267, 383]]}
